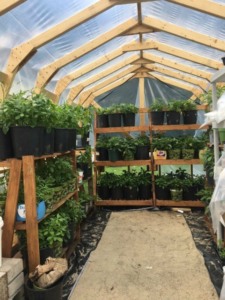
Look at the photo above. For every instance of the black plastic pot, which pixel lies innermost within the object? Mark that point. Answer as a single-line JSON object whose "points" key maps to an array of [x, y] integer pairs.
{"points": [[173, 117], [84, 167], [190, 193], [45, 253], [61, 140], [157, 117], [130, 193], [72, 134], [53, 292], [102, 121], [117, 193], [162, 194], [6, 150], [102, 154], [145, 192], [27, 140], [103, 192], [190, 116], [115, 120], [142, 152], [114, 155], [48, 141], [128, 119]]}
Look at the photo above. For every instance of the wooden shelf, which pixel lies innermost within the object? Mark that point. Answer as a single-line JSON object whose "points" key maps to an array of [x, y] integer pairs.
{"points": [[177, 127], [122, 163], [121, 129], [22, 225], [177, 161], [53, 155], [182, 203], [124, 203]]}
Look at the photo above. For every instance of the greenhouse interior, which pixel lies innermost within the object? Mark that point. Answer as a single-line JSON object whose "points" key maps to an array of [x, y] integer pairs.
{"points": [[112, 149]]}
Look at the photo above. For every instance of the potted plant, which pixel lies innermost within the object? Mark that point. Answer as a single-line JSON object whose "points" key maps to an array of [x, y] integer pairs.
{"points": [[128, 111], [162, 190], [102, 117], [157, 113], [173, 112], [130, 181], [208, 164], [116, 186], [23, 116], [114, 115], [188, 150], [84, 162], [192, 185], [160, 146], [84, 117], [129, 148], [103, 185], [142, 147], [174, 147], [189, 112], [176, 183], [205, 195], [101, 148], [115, 148], [144, 178]]}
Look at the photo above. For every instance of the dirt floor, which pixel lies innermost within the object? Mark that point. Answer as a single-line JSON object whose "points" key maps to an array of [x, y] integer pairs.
{"points": [[145, 255]]}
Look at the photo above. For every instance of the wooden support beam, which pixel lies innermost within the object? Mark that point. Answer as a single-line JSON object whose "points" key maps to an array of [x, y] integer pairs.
{"points": [[138, 29], [7, 5], [108, 81], [107, 88], [21, 51], [141, 92], [65, 81], [177, 65], [173, 51], [180, 75], [142, 75], [185, 33], [51, 96], [46, 72], [74, 92], [178, 83], [141, 61], [205, 6]]}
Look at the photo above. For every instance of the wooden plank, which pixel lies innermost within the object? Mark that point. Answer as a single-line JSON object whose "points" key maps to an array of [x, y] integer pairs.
{"points": [[11, 207], [7, 5], [46, 72], [141, 92], [194, 203], [188, 34], [205, 6], [171, 162], [31, 212], [177, 127], [122, 163], [124, 203], [122, 129]]}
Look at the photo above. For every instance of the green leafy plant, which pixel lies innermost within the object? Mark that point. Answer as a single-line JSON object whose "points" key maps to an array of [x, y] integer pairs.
{"points": [[142, 140], [129, 178], [85, 157], [128, 108], [157, 105], [174, 105], [188, 105], [208, 161], [115, 143], [144, 177], [102, 141], [104, 179], [162, 181], [129, 148]]}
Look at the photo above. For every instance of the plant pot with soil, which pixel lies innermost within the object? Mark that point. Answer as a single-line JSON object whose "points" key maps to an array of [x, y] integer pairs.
{"points": [[101, 148], [115, 148], [144, 178], [142, 147], [129, 112], [157, 113], [189, 112], [130, 185], [173, 112]]}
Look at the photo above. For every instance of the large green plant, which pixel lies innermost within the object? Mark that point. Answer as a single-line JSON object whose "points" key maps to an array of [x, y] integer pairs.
{"points": [[174, 105], [129, 178], [144, 177], [129, 148], [142, 140], [115, 143], [188, 105], [104, 179], [102, 141], [128, 108], [157, 105]]}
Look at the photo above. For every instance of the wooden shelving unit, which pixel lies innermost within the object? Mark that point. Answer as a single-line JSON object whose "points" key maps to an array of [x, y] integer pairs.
{"points": [[27, 166]]}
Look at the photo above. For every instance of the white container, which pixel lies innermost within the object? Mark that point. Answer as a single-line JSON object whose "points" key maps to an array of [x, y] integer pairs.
{"points": [[1, 225], [80, 176]]}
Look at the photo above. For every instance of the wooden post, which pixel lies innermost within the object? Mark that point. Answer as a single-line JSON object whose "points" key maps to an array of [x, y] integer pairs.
{"points": [[10, 207], [142, 99], [31, 212]]}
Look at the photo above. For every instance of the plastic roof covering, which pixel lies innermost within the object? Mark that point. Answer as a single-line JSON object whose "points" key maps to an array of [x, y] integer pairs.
{"points": [[35, 16]]}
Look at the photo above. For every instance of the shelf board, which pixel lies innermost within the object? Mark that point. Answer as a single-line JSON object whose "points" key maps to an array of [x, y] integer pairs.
{"points": [[177, 127], [177, 161], [189, 203], [53, 155], [121, 129], [122, 163], [124, 202], [22, 225]]}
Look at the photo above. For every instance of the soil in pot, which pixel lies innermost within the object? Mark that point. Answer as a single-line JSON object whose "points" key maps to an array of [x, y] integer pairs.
{"points": [[115, 120], [128, 119], [173, 117], [190, 116], [157, 117]]}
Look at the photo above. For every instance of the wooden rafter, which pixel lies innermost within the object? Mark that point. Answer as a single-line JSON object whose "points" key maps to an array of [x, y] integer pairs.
{"points": [[107, 88], [74, 92], [176, 65], [108, 81], [179, 83], [6, 5], [173, 51], [48, 71], [180, 75], [205, 6], [64, 81], [185, 33], [140, 28], [19, 53]]}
